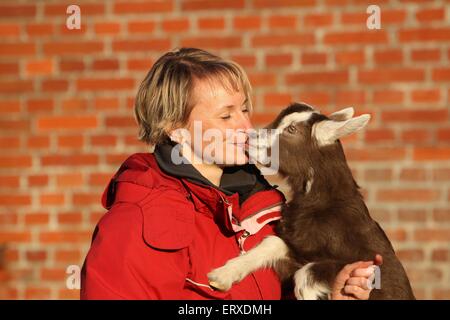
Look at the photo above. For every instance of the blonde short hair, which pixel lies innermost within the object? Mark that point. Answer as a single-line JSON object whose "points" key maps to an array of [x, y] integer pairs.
{"points": [[165, 97]]}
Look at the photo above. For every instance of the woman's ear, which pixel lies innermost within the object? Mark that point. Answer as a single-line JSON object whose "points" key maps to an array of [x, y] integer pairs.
{"points": [[178, 134]]}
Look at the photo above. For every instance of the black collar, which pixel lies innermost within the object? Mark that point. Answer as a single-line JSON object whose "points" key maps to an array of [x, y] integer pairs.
{"points": [[244, 179]]}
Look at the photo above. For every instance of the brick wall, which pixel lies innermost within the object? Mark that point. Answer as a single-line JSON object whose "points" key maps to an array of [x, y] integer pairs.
{"points": [[66, 122]]}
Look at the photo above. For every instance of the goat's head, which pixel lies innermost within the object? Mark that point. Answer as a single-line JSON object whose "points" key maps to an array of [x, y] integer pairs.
{"points": [[302, 134]]}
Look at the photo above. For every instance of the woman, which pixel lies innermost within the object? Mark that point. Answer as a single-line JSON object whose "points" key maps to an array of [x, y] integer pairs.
{"points": [[170, 223]]}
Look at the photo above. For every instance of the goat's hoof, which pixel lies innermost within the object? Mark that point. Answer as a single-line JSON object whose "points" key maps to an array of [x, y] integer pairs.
{"points": [[220, 279]]}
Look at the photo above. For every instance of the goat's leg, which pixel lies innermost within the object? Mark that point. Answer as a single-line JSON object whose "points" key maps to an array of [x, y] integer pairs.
{"points": [[266, 254], [314, 280]]}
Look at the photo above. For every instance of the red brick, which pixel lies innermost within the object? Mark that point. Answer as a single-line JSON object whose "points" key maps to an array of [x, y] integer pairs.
{"points": [[326, 77], [70, 160], [379, 135], [15, 87], [36, 255], [89, 9], [139, 7], [37, 218], [355, 97], [390, 56], [355, 37], [378, 174], [443, 135], [37, 180], [277, 40], [317, 58], [105, 64], [81, 236], [70, 218], [71, 141], [15, 237], [424, 34], [425, 55], [407, 195], [17, 10], [17, 49], [15, 161], [391, 75], [52, 85], [277, 99], [412, 174], [38, 142], [72, 48], [141, 26], [211, 23], [416, 136], [69, 180], [318, 19], [279, 60], [191, 5], [273, 4], [39, 29], [248, 60], [375, 154], [52, 199], [432, 235], [282, 21], [40, 67], [9, 181], [426, 95], [218, 42], [141, 45], [9, 68], [426, 15], [37, 293], [107, 28], [410, 254], [176, 25], [106, 103], [120, 122], [412, 215], [442, 74], [415, 116], [431, 153], [350, 57], [91, 84], [67, 123], [71, 65]]}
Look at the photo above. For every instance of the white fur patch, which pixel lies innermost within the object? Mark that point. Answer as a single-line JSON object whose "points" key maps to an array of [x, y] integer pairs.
{"points": [[294, 117], [305, 287], [264, 255]]}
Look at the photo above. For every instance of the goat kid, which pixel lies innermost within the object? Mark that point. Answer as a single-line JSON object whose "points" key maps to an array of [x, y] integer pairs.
{"points": [[326, 225]]}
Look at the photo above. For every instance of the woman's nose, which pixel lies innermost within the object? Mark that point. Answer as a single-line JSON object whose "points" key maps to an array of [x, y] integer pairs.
{"points": [[244, 122]]}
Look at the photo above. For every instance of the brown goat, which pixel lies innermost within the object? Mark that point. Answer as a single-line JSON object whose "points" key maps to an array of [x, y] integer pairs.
{"points": [[326, 225]]}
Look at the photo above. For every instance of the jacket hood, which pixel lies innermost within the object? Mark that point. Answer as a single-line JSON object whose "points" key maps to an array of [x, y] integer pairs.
{"points": [[244, 179]]}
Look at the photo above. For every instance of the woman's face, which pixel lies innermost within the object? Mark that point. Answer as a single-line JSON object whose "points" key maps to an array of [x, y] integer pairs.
{"points": [[221, 118]]}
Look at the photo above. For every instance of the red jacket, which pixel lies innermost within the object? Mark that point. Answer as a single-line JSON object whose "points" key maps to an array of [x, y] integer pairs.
{"points": [[163, 233]]}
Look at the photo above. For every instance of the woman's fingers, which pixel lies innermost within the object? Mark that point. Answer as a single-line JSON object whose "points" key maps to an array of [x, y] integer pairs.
{"points": [[357, 291], [361, 282], [363, 272]]}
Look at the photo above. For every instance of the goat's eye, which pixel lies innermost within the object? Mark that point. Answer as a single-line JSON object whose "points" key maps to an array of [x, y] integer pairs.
{"points": [[292, 129]]}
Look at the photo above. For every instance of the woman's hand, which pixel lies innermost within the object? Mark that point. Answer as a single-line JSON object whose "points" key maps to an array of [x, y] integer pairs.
{"points": [[352, 282]]}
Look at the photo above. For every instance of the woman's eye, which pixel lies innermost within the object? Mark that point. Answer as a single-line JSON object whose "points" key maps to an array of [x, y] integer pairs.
{"points": [[245, 110], [226, 117]]}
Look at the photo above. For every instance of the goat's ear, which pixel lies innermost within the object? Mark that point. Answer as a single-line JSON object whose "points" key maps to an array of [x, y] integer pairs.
{"points": [[342, 115], [328, 131]]}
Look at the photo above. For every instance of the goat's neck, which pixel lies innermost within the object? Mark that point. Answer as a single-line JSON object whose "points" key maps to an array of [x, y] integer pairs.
{"points": [[326, 183]]}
